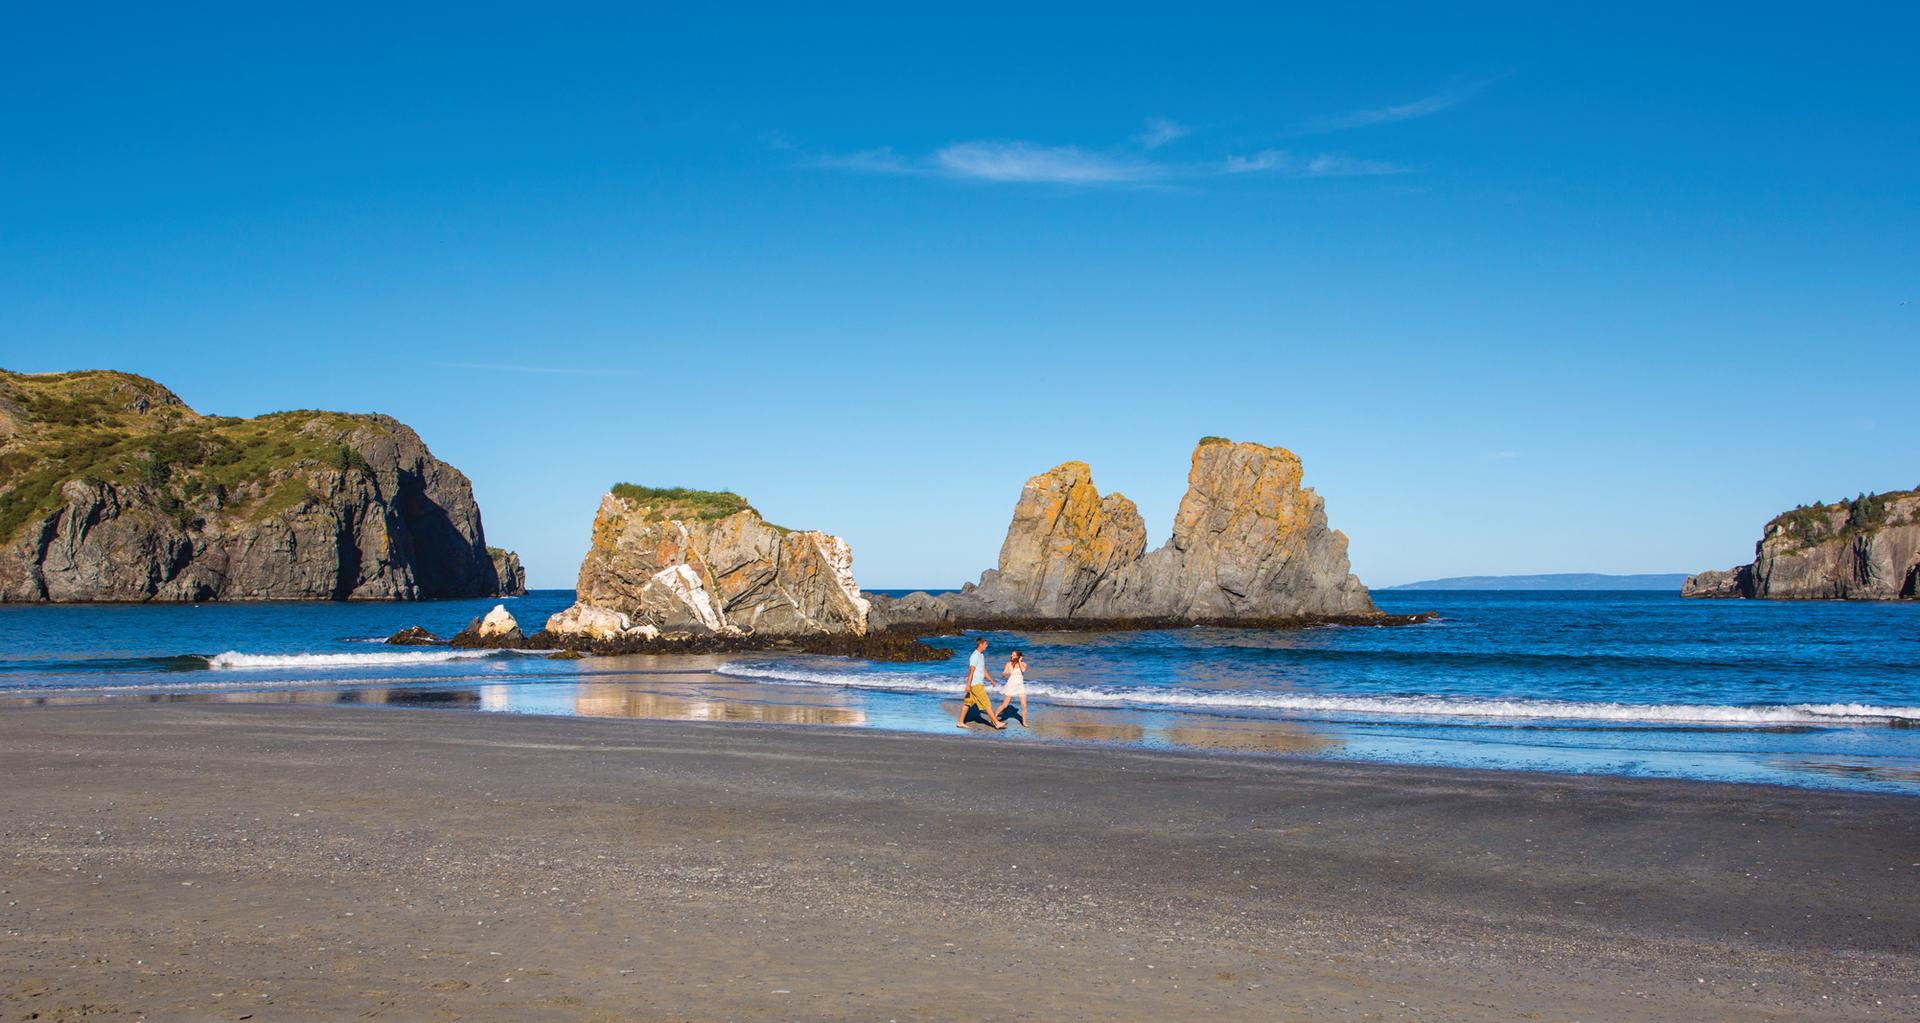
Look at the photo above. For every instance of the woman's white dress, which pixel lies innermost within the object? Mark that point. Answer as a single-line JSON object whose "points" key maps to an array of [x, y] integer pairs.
{"points": [[1016, 683]]}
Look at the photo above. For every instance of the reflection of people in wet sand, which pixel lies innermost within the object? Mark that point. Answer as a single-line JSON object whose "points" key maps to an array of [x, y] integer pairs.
{"points": [[1015, 688], [977, 705]]}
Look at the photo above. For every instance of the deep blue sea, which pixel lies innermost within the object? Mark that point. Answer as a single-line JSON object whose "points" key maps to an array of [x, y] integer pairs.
{"points": [[1818, 694]]}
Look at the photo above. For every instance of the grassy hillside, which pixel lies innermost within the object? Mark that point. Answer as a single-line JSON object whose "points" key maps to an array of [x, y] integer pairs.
{"points": [[125, 429]]}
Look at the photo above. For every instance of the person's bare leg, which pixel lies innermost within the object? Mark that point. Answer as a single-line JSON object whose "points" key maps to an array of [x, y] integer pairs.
{"points": [[1023, 711]]}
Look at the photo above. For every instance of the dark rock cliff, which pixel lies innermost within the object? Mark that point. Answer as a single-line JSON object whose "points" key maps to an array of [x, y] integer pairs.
{"points": [[1864, 549], [112, 489]]}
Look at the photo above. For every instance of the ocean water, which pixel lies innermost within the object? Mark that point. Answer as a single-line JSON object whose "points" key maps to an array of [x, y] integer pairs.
{"points": [[1819, 694]]}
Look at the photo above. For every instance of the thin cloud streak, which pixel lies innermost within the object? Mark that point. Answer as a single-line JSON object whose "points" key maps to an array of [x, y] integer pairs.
{"points": [[1027, 162], [1016, 162], [1324, 165], [1160, 131], [1425, 106]]}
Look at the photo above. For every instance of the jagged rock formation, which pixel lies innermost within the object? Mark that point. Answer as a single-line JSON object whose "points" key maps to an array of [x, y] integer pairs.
{"points": [[112, 489], [1864, 549], [1249, 543], [1064, 540], [705, 563], [506, 568]]}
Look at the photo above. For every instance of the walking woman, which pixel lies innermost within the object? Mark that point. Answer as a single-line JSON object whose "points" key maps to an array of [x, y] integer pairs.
{"points": [[1015, 687]]}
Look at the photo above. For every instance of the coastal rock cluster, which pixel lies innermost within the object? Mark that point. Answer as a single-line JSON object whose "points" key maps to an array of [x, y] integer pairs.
{"points": [[690, 562], [1867, 548], [112, 489], [1249, 543]]}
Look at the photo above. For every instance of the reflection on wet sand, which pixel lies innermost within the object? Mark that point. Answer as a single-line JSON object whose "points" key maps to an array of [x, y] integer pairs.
{"points": [[1082, 726], [1249, 737], [1895, 772], [1179, 730], [622, 701]]}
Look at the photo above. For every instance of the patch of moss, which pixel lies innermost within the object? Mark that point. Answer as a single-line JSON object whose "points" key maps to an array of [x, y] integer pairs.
{"points": [[682, 503], [288, 494], [1209, 441]]}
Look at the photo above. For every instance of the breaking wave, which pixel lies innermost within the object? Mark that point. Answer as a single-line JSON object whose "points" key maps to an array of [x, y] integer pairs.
{"points": [[1308, 704], [236, 659]]}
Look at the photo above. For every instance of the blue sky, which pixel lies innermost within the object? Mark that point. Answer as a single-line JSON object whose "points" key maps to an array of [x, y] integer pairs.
{"points": [[1527, 292]]}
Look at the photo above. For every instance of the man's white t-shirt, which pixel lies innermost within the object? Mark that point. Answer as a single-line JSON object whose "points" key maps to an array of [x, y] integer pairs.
{"points": [[977, 668]]}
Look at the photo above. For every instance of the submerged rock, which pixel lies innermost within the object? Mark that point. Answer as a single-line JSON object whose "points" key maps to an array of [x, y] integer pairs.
{"points": [[1864, 549], [1249, 543], [414, 635]]}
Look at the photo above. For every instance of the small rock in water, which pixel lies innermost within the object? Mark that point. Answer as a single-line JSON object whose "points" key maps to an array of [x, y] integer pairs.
{"points": [[414, 635]]}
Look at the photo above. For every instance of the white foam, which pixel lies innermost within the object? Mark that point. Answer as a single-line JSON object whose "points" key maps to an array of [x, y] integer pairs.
{"points": [[1450, 707], [236, 659]]}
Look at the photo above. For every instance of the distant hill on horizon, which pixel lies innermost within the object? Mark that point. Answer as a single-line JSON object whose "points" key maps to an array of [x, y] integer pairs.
{"points": [[1552, 581]]}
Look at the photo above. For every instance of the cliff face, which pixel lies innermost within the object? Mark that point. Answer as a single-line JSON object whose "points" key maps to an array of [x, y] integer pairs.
{"points": [[111, 488], [705, 562], [506, 569], [1864, 549], [1249, 542]]}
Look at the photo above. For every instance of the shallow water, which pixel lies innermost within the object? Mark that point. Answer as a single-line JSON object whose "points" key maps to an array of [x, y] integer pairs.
{"points": [[1812, 694]]}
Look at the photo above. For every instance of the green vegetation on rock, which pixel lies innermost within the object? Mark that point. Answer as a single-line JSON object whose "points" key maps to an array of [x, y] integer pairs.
{"points": [[109, 427], [1844, 519], [682, 503]]}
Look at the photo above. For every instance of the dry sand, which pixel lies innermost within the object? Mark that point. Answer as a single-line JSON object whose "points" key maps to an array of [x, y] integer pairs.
{"points": [[199, 861]]}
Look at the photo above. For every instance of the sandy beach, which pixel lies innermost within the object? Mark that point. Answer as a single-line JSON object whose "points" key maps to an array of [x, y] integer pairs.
{"points": [[206, 861]]}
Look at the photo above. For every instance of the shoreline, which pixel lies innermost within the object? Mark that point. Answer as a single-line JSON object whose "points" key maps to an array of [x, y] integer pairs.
{"points": [[703, 688], [300, 862]]}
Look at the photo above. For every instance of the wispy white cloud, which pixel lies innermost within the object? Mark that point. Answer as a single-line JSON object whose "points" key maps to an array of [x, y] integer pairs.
{"points": [[1425, 106], [1160, 131], [502, 367], [1028, 162], [873, 161], [1322, 165], [1016, 162]]}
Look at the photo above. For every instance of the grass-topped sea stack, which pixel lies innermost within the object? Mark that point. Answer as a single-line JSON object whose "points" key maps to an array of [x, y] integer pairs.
{"points": [[704, 563], [112, 489]]}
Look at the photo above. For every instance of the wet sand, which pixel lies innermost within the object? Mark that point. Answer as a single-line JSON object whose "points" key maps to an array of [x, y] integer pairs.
{"points": [[234, 861]]}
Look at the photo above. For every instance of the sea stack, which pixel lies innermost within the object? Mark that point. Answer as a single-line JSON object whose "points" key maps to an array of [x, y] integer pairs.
{"points": [[1864, 549], [696, 562], [1249, 543], [112, 489]]}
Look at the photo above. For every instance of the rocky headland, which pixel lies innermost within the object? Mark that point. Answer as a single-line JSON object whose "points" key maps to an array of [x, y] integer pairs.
{"points": [[112, 489], [1867, 548], [1250, 546]]}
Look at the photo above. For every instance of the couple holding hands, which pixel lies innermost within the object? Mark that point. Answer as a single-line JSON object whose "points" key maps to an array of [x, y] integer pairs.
{"points": [[977, 705]]}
